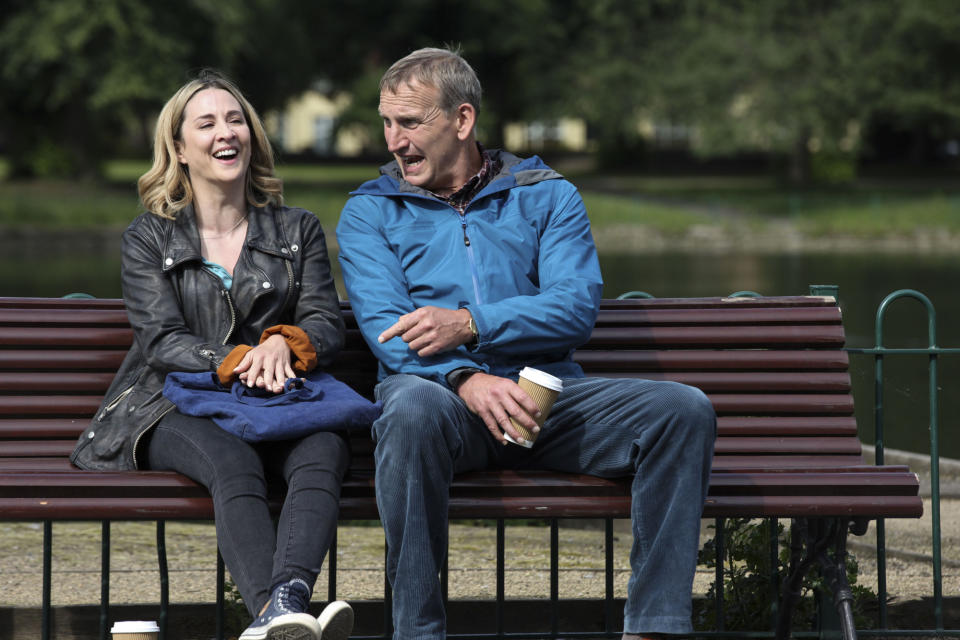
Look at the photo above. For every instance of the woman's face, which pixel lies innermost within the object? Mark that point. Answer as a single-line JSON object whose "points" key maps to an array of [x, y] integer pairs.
{"points": [[214, 139]]}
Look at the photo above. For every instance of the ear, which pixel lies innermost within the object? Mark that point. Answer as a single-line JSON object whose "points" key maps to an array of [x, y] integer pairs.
{"points": [[466, 120], [179, 150]]}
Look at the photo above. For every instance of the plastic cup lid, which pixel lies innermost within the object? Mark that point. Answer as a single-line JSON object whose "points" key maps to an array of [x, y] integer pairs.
{"points": [[542, 378], [135, 626]]}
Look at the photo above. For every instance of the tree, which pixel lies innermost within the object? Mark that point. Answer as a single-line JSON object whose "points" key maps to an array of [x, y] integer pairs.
{"points": [[79, 75], [778, 76], [916, 82], [74, 70]]}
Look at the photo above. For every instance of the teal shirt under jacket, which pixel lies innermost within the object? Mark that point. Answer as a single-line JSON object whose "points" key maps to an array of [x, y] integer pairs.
{"points": [[529, 273]]}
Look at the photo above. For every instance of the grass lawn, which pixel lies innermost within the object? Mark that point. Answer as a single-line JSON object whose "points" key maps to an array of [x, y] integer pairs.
{"points": [[670, 205], [867, 207]]}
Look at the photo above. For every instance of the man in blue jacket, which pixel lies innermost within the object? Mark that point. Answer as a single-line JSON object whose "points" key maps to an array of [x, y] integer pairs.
{"points": [[464, 265]]}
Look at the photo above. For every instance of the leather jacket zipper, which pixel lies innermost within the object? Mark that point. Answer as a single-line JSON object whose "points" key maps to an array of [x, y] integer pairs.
{"points": [[233, 315], [143, 433], [289, 283], [113, 403]]}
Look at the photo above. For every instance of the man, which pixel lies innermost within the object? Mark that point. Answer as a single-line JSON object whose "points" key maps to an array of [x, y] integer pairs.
{"points": [[463, 266]]}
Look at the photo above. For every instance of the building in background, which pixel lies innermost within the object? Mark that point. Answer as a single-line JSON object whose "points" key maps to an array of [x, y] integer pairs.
{"points": [[308, 126]]}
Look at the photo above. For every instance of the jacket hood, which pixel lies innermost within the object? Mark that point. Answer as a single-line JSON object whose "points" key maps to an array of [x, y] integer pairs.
{"points": [[514, 172]]}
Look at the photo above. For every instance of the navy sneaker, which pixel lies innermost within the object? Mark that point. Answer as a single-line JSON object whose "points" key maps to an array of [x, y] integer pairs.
{"points": [[336, 621], [285, 617]]}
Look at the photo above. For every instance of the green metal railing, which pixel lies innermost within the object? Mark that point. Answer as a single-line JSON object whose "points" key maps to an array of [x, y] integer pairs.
{"points": [[933, 352]]}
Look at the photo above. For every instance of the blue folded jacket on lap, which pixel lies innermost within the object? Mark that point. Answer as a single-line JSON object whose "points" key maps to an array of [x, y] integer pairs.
{"points": [[316, 402]]}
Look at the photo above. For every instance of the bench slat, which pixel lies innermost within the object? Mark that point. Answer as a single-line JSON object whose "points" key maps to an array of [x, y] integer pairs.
{"points": [[802, 445], [781, 404], [56, 381], [789, 461], [45, 382], [62, 359], [720, 316], [727, 381], [720, 336], [95, 508], [765, 302], [24, 428], [711, 360], [64, 317], [56, 337], [70, 428], [51, 405]]}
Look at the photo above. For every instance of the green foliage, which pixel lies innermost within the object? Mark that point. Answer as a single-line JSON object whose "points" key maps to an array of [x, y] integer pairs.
{"points": [[236, 618], [90, 75], [789, 78], [749, 601], [833, 168]]}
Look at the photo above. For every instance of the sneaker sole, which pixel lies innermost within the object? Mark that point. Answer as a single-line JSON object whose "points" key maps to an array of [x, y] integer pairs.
{"points": [[291, 631], [292, 626], [336, 621]]}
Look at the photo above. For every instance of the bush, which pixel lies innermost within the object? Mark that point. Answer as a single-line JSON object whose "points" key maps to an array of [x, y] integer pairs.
{"points": [[749, 603]]}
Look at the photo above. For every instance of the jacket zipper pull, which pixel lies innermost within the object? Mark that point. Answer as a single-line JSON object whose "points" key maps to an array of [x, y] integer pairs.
{"points": [[466, 240]]}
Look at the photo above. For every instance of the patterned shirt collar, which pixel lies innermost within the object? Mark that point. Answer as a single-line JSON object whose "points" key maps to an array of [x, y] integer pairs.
{"points": [[460, 199]]}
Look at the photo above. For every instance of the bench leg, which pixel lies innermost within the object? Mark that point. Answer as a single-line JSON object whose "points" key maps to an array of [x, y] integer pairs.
{"points": [[834, 567], [822, 540], [104, 579], [164, 577], [47, 580]]}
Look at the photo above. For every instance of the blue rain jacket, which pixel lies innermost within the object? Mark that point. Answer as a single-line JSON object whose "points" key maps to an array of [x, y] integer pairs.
{"points": [[521, 259], [316, 402]]}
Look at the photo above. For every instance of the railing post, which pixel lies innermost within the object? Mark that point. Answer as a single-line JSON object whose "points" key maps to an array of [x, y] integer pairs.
{"points": [[932, 352]]}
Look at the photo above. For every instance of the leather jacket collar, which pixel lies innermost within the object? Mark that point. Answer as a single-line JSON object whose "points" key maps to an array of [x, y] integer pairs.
{"points": [[181, 242]]}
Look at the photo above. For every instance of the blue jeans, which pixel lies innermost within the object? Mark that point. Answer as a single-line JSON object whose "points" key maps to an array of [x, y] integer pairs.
{"points": [[661, 433], [259, 554]]}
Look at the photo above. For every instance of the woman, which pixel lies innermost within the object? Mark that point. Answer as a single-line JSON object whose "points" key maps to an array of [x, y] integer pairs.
{"points": [[218, 276]]}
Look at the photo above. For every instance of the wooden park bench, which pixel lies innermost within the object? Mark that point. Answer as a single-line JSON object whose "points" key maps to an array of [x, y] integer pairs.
{"points": [[774, 367]]}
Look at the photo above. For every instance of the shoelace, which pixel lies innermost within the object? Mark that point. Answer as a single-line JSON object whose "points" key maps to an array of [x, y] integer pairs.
{"points": [[291, 599]]}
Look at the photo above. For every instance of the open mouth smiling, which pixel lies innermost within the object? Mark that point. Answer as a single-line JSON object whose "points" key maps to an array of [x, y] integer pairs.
{"points": [[226, 154]]}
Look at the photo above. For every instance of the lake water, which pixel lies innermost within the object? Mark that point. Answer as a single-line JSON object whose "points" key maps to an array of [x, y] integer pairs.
{"points": [[38, 265]]}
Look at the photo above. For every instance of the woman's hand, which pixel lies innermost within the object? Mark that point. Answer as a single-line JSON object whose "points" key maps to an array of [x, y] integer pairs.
{"points": [[267, 365]]}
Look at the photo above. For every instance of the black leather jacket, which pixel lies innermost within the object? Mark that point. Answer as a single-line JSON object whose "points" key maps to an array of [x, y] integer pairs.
{"points": [[184, 319]]}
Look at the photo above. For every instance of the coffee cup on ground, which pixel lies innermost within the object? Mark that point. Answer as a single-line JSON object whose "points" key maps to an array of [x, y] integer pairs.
{"points": [[544, 389], [135, 630]]}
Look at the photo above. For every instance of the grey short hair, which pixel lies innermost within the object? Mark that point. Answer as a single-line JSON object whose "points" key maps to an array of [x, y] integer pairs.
{"points": [[441, 68]]}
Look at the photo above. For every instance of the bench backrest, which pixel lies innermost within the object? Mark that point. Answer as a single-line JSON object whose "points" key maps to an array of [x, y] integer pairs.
{"points": [[774, 369]]}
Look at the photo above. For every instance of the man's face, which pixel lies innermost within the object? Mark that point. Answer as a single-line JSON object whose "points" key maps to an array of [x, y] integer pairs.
{"points": [[424, 140]]}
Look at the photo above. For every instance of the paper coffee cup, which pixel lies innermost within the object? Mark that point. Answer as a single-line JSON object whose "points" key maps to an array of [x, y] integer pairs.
{"points": [[544, 389], [135, 630]]}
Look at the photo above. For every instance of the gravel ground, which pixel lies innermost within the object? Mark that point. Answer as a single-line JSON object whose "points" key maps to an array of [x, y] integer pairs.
{"points": [[192, 547]]}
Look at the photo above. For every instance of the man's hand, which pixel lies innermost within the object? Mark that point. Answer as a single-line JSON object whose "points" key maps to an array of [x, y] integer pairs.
{"points": [[496, 400], [431, 330], [267, 365]]}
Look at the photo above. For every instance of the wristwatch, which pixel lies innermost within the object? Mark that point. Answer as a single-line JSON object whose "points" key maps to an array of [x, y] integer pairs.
{"points": [[473, 329], [457, 377]]}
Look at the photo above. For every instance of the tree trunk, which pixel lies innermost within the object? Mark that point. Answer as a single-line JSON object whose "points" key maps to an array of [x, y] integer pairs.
{"points": [[800, 159]]}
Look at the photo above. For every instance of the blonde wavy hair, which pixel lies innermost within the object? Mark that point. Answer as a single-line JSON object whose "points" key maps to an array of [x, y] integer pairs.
{"points": [[165, 189]]}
